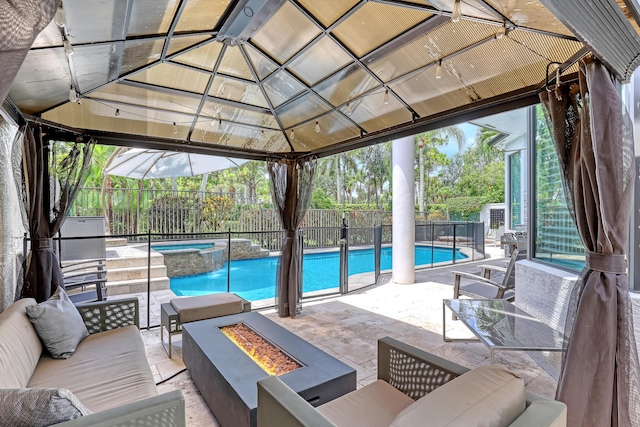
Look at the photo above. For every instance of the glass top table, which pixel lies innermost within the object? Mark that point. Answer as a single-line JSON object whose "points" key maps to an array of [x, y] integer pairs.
{"points": [[500, 325]]}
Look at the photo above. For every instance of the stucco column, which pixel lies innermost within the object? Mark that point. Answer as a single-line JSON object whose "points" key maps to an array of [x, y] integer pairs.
{"points": [[404, 219]]}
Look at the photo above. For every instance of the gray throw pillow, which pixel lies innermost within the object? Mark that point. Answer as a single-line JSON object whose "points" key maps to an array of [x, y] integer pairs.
{"points": [[35, 407], [58, 324]]}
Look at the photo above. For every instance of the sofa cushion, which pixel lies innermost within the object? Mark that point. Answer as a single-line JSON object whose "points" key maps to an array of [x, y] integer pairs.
{"points": [[108, 369], [209, 306], [20, 347], [486, 396], [58, 324], [373, 405], [39, 407]]}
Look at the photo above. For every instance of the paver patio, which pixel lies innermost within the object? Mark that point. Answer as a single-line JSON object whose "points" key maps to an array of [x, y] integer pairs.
{"points": [[349, 326]]}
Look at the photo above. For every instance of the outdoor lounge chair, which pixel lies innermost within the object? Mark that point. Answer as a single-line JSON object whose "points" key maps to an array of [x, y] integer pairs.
{"points": [[85, 280], [493, 282]]}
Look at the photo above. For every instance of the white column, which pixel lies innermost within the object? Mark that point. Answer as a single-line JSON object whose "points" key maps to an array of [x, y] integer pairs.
{"points": [[404, 237]]}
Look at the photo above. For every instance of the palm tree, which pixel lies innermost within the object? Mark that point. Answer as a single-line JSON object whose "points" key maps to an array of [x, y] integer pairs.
{"points": [[431, 140]]}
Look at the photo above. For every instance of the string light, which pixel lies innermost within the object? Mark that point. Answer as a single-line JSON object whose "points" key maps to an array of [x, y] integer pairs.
{"points": [[219, 123], [73, 95], [317, 127], [348, 109], [439, 70], [293, 135], [175, 128], [502, 31], [68, 48], [58, 18], [117, 112], [262, 134], [456, 13], [385, 100]]}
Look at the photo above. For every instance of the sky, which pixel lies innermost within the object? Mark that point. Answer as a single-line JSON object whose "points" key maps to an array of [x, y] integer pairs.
{"points": [[451, 148]]}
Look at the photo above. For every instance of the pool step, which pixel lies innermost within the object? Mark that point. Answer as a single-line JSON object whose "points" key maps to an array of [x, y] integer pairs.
{"points": [[244, 249], [137, 285]]}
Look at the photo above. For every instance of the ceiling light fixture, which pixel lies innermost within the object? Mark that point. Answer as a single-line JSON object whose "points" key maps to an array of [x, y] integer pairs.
{"points": [[73, 95], [293, 135], [317, 127], [175, 128], [439, 70], [385, 100], [58, 18], [456, 13], [348, 109], [117, 112]]}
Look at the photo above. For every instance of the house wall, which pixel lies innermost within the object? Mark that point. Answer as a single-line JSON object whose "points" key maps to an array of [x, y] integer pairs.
{"points": [[11, 226]]}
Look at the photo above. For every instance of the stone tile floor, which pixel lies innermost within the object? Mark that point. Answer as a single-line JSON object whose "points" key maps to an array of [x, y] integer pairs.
{"points": [[348, 328]]}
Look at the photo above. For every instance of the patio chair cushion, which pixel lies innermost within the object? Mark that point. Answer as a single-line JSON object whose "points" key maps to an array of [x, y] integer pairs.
{"points": [[107, 370], [373, 405], [20, 347], [58, 324], [191, 309], [39, 407], [489, 395]]}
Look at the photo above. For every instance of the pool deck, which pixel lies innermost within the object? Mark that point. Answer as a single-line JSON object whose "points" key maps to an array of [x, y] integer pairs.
{"points": [[349, 326]]}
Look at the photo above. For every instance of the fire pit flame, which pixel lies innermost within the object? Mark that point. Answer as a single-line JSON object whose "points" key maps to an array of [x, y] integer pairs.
{"points": [[269, 357]]}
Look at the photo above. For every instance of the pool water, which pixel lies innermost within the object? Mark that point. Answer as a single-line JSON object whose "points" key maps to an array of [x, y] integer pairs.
{"points": [[179, 246], [254, 279]]}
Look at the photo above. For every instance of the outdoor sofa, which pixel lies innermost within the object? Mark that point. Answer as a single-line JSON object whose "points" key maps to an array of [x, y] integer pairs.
{"points": [[416, 388], [108, 372]]}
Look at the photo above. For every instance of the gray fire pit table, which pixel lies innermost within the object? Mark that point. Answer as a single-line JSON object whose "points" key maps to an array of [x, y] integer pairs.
{"points": [[227, 377]]}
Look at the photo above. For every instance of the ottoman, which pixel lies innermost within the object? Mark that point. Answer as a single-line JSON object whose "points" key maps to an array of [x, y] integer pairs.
{"points": [[190, 309]]}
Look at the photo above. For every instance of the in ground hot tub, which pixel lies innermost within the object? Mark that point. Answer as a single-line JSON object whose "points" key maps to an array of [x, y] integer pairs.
{"points": [[186, 259]]}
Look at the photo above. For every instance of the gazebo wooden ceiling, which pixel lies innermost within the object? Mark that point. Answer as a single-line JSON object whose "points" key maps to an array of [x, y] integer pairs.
{"points": [[284, 78]]}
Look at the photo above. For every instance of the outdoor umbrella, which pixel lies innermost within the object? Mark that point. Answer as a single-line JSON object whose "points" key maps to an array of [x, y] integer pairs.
{"points": [[150, 164]]}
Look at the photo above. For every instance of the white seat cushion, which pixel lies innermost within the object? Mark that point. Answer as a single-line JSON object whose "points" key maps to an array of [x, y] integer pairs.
{"points": [[489, 396]]}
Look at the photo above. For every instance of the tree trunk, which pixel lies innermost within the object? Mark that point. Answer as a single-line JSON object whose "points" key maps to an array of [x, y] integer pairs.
{"points": [[338, 180], [421, 182]]}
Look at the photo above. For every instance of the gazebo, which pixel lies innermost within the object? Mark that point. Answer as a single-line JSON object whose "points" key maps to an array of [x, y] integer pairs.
{"points": [[288, 81]]}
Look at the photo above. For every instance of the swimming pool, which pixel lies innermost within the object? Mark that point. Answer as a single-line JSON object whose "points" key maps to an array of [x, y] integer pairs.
{"points": [[254, 279], [182, 246]]}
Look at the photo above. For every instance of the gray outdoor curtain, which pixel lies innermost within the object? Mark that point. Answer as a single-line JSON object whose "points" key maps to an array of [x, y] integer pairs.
{"points": [[291, 188], [52, 178], [20, 23], [600, 375]]}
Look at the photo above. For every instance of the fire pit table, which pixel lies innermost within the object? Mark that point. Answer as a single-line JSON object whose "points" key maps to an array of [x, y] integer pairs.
{"points": [[226, 375]]}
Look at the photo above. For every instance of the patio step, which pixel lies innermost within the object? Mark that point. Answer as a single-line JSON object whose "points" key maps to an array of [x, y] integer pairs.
{"points": [[133, 273], [137, 285]]}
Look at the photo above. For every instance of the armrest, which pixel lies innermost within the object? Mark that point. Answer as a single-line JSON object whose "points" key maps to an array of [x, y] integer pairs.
{"points": [[279, 405], [475, 277], [105, 315], [165, 410], [413, 371], [542, 413]]}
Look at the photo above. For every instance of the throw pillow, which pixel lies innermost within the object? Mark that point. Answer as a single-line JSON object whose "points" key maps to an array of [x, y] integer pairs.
{"points": [[35, 407], [58, 324]]}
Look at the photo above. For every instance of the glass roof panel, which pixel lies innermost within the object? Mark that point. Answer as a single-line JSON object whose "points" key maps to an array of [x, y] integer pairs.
{"points": [[429, 47], [235, 135], [83, 27], [201, 15], [234, 64], [239, 91], [328, 11], [334, 127], [346, 85], [374, 24], [50, 36], [263, 65], [151, 16], [178, 44], [301, 109], [94, 65], [134, 120], [138, 53], [530, 14], [473, 8], [148, 98], [233, 113], [372, 114], [280, 87], [285, 33], [320, 60], [203, 57], [172, 76]]}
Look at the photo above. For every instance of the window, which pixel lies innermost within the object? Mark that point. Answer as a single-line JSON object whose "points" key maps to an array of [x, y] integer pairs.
{"points": [[556, 237]]}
